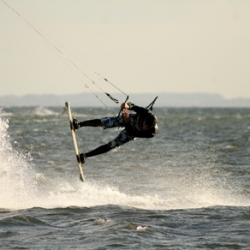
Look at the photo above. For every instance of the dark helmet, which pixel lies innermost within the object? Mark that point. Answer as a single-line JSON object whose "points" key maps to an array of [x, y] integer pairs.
{"points": [[151, 121]]}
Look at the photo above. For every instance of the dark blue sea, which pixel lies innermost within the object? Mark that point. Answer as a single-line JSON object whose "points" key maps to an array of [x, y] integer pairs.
{"points": [[187, 188]]}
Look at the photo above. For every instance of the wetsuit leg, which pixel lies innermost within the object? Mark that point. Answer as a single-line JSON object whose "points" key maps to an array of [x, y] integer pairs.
{"points": [[112, 122], [100, 150], [106, 122], [91, 123], [121, 139]]}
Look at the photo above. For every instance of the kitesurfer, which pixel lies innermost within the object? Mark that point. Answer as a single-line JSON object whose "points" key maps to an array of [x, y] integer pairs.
{"points": [[142, 124]]}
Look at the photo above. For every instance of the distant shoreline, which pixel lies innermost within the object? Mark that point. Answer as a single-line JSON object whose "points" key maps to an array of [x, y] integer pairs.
{"points": [[90, 100]]}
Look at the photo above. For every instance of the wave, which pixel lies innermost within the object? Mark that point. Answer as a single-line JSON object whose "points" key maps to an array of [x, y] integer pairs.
{"points": [[23, 184], [42, 111]]}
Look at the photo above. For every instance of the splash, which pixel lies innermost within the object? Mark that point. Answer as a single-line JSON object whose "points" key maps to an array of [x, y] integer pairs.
{"points": [[15, 171], [23, 185]]}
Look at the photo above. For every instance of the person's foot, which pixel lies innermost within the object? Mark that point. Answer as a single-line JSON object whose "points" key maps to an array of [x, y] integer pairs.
{"points": [[83, 158], [76, 124]]}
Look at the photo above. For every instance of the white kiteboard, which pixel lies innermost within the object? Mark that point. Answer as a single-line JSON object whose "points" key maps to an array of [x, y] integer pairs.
{"points": [[74, 141]]}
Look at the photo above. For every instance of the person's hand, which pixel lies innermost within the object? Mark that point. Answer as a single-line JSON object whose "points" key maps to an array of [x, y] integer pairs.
{"points": [[124, 106], [125, 116]]}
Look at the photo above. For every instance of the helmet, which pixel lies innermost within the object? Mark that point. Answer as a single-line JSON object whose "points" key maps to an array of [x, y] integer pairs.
{"points": [[151, 121]]}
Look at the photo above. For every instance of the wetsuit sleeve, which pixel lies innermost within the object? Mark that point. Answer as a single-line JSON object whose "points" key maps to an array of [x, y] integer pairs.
{"points": [[137, 109]]}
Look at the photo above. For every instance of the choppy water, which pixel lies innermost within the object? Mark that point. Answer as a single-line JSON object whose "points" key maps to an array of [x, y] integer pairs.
{"points": [[187, 188]]}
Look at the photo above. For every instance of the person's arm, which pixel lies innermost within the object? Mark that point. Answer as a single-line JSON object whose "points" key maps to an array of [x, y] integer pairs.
{"points": [[124, 106], [125, 114], [130, 106]]}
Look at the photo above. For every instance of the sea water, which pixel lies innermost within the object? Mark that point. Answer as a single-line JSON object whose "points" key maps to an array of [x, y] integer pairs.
{"points": [[186, 188]]}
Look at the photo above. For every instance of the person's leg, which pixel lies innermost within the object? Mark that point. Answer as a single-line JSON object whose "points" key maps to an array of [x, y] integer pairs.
{"points": [[112, 122], [107, 122], [121, 139], [91, 123], [100, 150]]}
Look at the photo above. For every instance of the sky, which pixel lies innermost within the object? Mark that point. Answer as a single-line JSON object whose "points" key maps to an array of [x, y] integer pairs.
{"points": [[140, 46]]}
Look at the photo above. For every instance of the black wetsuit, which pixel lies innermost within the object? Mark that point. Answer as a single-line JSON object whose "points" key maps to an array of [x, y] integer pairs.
{"points": [[133, 128]]}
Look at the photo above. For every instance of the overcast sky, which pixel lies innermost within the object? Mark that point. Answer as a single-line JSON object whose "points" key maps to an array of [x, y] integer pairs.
{"points": [[141, 46]]}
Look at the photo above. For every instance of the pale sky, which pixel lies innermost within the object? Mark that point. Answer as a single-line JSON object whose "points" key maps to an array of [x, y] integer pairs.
{"points": [[141, 46]]}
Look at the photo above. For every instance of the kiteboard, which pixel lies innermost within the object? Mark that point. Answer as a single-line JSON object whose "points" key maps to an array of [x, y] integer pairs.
{"points": [[73, 132]]}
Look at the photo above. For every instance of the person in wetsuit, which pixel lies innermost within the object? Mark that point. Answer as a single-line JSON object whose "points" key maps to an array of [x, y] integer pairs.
{"points": [[142, 124]]}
